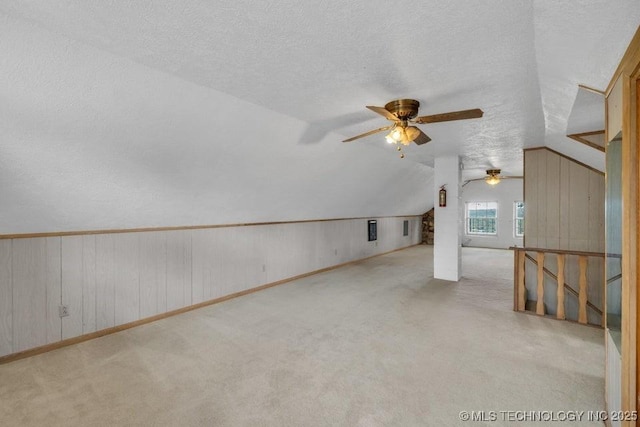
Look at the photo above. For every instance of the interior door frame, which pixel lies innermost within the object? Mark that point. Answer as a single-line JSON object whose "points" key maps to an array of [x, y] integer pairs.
{"points": [[628, 75], [634, 244]]}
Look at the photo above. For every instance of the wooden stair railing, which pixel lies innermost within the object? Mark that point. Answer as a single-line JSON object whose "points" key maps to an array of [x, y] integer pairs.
{"points": [[562, 285], [521, 255]]}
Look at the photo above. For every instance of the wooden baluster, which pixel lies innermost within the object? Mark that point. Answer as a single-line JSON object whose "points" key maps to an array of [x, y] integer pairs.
{"points": [[560, 309], [540, 304], [582, 293], [522, 291]]}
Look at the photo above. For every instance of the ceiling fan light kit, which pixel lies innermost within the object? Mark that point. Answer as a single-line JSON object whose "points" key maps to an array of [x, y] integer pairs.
{"points": [[402, 134], [404, 111], [493, 176]]}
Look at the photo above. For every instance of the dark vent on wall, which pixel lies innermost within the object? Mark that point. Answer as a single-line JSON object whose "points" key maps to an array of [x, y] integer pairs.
{"points": [[405, 227], [372, 228]]}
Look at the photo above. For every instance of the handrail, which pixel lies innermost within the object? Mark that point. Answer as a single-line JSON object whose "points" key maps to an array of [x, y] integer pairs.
{"points": [[614, 278], [563, 251]]}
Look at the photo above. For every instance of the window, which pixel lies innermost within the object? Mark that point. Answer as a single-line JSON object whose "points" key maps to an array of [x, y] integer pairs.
{"points": [[518, 218], [481, 218]]}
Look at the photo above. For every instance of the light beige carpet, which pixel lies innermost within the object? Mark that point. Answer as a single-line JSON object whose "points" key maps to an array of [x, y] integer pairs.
{"points": [[377, 343]]}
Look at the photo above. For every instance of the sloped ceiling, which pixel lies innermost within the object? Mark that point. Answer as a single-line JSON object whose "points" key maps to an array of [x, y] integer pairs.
{"points": [[118, 114]]}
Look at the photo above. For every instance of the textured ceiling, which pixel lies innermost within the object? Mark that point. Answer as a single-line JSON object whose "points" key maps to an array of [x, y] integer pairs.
{"points": [[578, 42], [235, 110]]}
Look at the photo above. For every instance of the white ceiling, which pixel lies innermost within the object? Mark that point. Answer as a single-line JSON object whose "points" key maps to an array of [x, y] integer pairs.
{"points": [[119, 113], [586, 112]]}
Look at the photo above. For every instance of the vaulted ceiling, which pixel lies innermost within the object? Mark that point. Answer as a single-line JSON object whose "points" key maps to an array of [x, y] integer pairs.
{"points": [[117, 114]]}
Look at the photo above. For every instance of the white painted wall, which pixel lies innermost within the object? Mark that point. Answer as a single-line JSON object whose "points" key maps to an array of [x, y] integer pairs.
{"points": [[112, 279], [505, 193], [447, 257]]}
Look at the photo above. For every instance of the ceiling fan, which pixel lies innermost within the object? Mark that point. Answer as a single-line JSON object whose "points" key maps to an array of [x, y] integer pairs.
{"points": [[493, 177], [404, 111]]}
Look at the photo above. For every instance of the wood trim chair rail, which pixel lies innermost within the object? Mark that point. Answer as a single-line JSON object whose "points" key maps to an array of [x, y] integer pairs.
{"points": [[183, 227]]}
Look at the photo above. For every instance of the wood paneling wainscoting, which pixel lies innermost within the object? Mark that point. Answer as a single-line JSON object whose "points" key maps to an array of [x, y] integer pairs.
{"points": [[115, 280], [563, 201]]}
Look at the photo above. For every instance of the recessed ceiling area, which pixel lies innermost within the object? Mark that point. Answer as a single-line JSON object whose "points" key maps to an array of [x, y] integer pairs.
{"points": [[587, 113], [159, 113]]}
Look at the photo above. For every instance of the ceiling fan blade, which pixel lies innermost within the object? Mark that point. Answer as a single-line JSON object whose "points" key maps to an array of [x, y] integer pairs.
{"points": [[383, 112], [371, 132], [454, 115], [422, 138]]}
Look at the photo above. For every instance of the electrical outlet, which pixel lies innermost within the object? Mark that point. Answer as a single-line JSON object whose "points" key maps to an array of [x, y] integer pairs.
{"points": [[63, 310]]}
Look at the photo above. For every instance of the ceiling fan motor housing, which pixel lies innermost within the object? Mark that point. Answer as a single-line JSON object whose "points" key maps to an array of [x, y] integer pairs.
{"points": [[403, 109]]}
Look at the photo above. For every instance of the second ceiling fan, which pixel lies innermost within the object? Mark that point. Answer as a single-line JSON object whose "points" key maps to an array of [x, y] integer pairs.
{"points": [[402, 112]]}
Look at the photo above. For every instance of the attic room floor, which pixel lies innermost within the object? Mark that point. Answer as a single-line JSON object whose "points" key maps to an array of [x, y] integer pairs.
{"points": [[378, 342]]}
